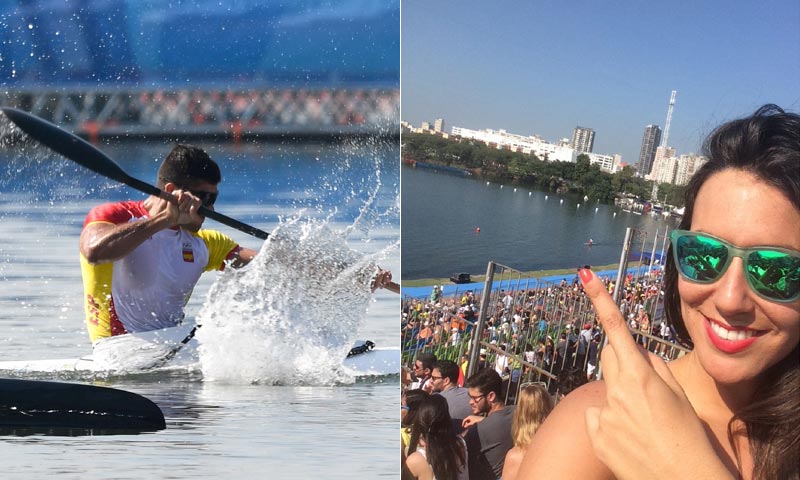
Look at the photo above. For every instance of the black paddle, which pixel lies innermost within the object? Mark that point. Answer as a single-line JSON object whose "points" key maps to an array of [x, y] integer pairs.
{"points": [[33, 406], [80, 151]]}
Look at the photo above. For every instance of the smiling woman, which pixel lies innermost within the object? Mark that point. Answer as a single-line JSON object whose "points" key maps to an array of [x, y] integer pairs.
{"points": [[745, 327], [729, 408], [739, 331]]}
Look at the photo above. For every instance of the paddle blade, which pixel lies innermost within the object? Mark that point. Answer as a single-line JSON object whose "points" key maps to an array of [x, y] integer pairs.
{"points": [[32, 405]]}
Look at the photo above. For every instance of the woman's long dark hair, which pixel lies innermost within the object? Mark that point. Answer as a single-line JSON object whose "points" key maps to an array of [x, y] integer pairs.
{"points": [[443, 449], [767, 145], [414, 399]]}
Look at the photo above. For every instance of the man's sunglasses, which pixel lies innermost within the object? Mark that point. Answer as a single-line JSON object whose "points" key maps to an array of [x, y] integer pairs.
{"points": [[773, 273], [207, 198]]}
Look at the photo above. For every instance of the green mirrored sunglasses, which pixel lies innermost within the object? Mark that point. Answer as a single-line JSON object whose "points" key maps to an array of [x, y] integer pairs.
{"points": [[773, 273]]}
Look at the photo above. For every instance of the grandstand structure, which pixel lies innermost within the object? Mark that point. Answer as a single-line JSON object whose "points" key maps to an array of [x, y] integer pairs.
{"points": [[241, 113], [251, 69]]}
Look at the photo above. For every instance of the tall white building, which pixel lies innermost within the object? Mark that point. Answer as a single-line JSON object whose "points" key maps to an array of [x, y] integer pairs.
{"points": [[667, 170], [660, 163], [687, 165], [438, 125], [582, 139]]}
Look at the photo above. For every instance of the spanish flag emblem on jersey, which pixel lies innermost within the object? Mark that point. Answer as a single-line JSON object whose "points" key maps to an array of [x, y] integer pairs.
{"points": [[188, 253]]}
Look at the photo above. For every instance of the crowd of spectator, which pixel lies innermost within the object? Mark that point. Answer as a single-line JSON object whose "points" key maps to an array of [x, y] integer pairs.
{"points": [[545, 328], [537, 345]]}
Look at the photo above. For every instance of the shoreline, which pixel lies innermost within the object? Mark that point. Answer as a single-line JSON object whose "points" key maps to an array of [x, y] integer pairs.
{"points": [[430, 282], [422, 288]]}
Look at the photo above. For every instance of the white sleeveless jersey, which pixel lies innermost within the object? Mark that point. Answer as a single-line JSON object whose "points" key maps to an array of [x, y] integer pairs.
{"points": [[147, 289]]}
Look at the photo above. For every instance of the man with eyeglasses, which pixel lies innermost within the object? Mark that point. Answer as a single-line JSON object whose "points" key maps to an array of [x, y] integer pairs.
{"points": [[488, 435], [140, 260], [444, 380]]}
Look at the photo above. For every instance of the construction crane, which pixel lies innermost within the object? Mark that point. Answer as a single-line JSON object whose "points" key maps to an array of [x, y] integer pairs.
{"points": [[669, 120]]}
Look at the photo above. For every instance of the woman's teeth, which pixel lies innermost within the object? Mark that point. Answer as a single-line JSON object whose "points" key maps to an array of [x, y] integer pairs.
{"points": [[731, 335]]}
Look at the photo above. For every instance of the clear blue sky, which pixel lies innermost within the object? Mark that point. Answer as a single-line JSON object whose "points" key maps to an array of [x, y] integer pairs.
{"points": [[544, 67]]}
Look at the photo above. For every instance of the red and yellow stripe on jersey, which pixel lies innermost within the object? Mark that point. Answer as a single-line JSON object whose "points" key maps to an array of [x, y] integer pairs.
{"points": [[147, 289]]}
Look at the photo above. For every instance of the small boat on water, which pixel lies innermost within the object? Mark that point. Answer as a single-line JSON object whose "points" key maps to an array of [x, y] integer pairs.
{"points": [[61, 408], [66, 408]]}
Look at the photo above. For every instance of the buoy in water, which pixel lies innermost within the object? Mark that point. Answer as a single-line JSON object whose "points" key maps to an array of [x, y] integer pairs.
{"points": [[477, 229]]}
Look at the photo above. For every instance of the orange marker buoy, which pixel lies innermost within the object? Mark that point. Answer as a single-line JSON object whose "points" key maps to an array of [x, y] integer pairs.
{"points": [[92, 130], [236, 131]]}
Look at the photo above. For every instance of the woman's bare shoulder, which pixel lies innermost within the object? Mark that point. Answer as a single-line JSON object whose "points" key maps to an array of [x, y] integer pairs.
{"points": [[417, 464], [512, 462], [561, 447]]}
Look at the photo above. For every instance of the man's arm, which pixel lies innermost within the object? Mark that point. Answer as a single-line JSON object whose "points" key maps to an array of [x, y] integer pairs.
{"points": [[103, 242], [383, 279], [242, 257]]}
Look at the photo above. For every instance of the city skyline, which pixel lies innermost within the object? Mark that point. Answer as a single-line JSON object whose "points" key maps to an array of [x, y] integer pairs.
{"points": [[458, 64]]}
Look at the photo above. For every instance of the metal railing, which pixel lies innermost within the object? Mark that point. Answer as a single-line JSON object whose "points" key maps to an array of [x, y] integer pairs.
{"points": [[532, 330]]}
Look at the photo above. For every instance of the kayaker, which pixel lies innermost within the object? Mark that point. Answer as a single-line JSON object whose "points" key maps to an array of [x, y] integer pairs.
{"points": [[140, 260]]}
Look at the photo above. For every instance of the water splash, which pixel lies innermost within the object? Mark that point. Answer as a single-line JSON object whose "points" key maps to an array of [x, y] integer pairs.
{"points": [[291, 315], [34, 174]]}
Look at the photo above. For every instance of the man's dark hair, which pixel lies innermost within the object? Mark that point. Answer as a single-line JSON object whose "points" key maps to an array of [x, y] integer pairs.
{"points": [[427, 360], [186, 164], [570, 379], [486, 380], [448, 369]]}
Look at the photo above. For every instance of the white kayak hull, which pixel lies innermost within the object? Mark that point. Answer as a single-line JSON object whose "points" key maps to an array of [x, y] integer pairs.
{"points": [[135, 353], [376, 362]]}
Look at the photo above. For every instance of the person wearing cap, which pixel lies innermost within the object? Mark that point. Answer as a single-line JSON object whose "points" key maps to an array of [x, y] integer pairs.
{"points": [[482, 359]]}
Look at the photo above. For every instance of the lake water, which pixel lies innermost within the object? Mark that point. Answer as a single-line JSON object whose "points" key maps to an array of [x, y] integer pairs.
{"points": [[521, 228], [215, 429]]}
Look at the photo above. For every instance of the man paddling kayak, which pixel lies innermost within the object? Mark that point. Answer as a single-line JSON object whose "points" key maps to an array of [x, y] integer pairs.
{"points": [[141, 260]]}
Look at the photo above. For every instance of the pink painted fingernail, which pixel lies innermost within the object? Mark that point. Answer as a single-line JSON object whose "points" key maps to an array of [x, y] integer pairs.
{"points": [[585, 274]]}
